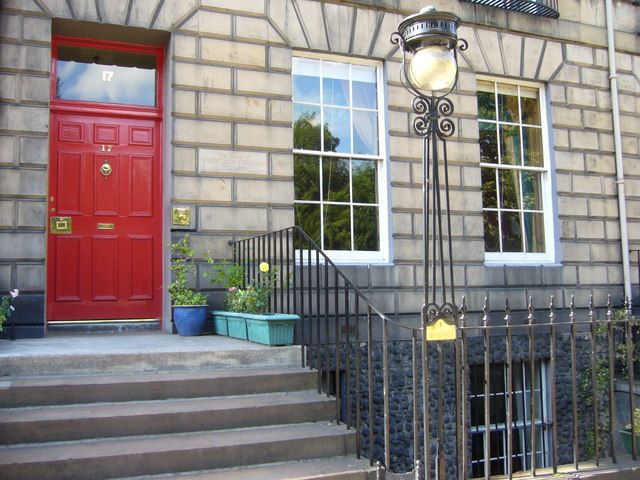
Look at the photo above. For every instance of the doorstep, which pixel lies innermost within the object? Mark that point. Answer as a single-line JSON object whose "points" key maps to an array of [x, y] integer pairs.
{"points": [[93, 353]]}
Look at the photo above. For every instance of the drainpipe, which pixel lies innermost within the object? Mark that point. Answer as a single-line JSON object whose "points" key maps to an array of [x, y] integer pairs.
{"points": [[615, 110]]}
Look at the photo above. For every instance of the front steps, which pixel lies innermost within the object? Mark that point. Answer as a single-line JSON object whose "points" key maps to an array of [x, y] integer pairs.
{"points": [[266, 423], [89, 354]]}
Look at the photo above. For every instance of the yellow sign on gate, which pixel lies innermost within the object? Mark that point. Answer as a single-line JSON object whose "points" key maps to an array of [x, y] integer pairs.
{"points": [[440, 330]]}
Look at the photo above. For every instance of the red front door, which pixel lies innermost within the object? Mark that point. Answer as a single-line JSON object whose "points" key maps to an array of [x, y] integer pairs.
{"points": [[104, 250]]}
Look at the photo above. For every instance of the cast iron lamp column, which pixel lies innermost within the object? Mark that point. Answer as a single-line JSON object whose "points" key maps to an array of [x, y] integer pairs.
{"points": [[429, 71]]}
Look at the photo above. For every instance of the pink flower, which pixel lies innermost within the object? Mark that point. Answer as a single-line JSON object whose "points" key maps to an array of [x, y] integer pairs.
{"points": [[233, 289], [14, 293]]}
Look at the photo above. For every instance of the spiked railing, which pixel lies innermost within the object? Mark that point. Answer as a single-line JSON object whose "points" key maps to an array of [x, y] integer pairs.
{"points": [[375, 367]]}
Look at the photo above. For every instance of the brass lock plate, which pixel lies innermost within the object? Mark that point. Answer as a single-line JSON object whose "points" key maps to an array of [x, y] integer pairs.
{"points": [[60, 225], [106, 226]]}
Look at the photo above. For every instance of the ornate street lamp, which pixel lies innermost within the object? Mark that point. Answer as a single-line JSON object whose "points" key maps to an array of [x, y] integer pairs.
{"points": [[429, 70]]}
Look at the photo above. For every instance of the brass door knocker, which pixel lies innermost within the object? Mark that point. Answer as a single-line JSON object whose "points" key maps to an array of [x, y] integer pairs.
{"points": [[106, 169]]}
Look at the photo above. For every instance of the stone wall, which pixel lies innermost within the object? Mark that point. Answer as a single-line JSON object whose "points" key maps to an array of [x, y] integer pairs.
{"points": [[25, 36], [230, 127], [401, 395]]}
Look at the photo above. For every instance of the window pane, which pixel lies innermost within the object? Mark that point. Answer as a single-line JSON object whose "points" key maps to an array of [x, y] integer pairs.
{"points": [[337, 136], [306, 127], [335, 179], [530, 105], [110, 76], [489, 195], [335, 84], [510, 145], [511, 232], [335, 110], [306, 80], [365, 228], [491, 232], [498, 411], [306, 171], [531, 192], [488, 143], [532, 144], [365, 132], [508, 103], [337, 227], [308, 218], [306, 89], [364, 181], [487, 105], [534, 231], [363, 87], [509, 188]]}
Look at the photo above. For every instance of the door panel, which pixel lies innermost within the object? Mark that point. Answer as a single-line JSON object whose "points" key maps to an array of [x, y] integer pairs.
{"points": [[69, 181], [105, 278], [106, 190], [141, 267], [141, 198], [67, 268], [107, 181]]}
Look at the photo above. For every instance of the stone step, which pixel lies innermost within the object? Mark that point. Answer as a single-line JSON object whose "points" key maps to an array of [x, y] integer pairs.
{"points": [[94, 354], [62, 423], [29, 391], [146, 455], [335, 468]]}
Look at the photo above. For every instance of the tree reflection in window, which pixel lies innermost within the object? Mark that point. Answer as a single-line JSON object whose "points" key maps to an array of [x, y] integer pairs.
{"points": [[335, 137], [512, 167]]}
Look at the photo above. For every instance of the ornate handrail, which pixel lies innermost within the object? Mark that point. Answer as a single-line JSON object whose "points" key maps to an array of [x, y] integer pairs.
{"points": [[347, 341]]}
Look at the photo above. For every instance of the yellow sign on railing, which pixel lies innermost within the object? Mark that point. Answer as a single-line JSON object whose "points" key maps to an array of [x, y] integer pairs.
{"points": [[440, 330]]}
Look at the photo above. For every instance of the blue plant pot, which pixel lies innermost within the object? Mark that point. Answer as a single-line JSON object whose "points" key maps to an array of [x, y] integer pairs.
{"points": [[189, 319]]}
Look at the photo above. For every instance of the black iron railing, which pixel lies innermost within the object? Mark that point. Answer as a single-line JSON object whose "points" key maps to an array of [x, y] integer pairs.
{"points": [[515, 391], [543, 8]]}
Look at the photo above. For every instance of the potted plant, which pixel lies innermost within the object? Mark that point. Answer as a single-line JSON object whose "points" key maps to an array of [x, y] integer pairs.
{"points": [[6, 307], [246, 316], [189, 307], [629, 430]]}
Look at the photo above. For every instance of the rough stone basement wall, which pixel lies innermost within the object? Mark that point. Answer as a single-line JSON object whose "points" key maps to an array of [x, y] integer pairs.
{"points": [[401, 395]]}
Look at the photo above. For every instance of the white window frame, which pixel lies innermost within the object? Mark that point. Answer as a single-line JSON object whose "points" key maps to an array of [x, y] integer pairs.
{"points": [[519, 425], [528, 258], [356, 256]]}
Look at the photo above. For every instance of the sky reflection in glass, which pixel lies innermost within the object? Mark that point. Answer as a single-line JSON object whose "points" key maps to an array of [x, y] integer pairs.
{"points": [[105, 83]]}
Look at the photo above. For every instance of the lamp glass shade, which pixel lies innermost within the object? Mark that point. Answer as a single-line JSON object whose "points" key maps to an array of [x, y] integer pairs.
{"points": [[433, 68]]}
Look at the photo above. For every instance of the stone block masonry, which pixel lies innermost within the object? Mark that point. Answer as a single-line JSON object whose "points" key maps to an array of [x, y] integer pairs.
{"points": [[25, 36], [229, 153]]}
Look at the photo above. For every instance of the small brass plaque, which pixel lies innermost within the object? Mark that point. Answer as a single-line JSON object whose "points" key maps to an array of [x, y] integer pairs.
{"points": [[60, 225], [106, 226], [181, 216], [440, 329]]}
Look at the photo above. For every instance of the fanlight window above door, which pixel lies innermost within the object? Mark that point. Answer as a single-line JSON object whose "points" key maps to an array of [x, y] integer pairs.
{"points": [[108, 76]]}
